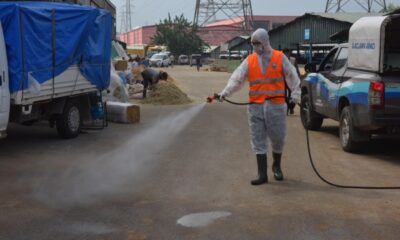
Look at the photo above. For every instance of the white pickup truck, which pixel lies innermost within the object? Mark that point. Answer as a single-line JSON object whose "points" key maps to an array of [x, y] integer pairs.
{"points": [[54, 64], [358, 84]]}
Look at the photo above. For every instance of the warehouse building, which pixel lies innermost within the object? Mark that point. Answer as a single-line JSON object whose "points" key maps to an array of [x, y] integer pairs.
{"points": [[315, 30]]}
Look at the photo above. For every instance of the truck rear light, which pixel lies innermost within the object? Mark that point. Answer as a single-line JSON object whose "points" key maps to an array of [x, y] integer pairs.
{"points": [[376, 95]]}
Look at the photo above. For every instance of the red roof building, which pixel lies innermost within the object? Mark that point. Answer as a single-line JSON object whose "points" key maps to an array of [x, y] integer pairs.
{"points": [[267, 22], [214, 33], [140, 35]]}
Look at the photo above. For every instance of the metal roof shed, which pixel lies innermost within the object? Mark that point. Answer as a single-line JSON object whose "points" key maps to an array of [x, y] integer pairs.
{"points": [[314, 28]]}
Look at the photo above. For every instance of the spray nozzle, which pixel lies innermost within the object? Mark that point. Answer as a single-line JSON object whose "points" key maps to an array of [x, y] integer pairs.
{"points": [[212, 98]]}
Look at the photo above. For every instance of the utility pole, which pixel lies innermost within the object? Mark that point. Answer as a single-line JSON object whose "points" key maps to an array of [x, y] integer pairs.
{"points": [[206, 11], [367, 5]]}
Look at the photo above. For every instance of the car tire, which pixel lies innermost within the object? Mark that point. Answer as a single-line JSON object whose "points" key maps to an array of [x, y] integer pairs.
{"points": [[347, 132], [69, 122], [309, 118]]}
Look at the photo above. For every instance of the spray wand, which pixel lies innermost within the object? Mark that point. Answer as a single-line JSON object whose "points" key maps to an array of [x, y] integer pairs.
{"points": [[216, 96], [210, 99]]}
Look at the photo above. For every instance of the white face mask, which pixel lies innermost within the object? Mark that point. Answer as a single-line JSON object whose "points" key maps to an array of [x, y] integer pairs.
{"points": [[259, 49]]}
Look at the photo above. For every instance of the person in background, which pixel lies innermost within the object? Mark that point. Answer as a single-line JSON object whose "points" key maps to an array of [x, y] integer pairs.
{"points": [[135, 62], [151, 78], [145, 62], [289, 101], [128, 76], [198, 63], [172, 58], [266, 70]]}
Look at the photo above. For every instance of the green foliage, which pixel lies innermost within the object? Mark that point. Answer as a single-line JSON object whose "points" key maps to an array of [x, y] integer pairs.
{"points": [[391, 7], [178, 35]]}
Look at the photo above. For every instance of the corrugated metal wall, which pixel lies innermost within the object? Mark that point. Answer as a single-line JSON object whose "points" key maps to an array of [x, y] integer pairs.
{"points": [[292, 34]]}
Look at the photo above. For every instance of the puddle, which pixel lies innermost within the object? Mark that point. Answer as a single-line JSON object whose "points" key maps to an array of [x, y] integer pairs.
{"points": [[201, 219]]}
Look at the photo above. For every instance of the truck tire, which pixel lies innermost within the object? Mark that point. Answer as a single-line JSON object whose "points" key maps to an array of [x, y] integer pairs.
{"points": [[69, 122], [347, 132], [309, 118], [29, 123]]}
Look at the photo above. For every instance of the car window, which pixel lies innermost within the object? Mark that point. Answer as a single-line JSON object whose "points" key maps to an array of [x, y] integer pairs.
{"points": [[327, 63], [392, 61], [341, 60], [156, 56]]}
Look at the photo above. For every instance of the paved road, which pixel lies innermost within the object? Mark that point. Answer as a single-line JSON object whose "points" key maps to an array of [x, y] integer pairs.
{"points": [[144, 181]]}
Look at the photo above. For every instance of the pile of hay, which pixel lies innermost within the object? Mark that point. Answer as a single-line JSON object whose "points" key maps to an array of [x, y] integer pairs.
{"points": [[224, 65], [166, 93]]}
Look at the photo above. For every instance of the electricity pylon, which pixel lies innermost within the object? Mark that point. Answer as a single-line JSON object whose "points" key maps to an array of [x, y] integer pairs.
{"points": [[206, 11], [367, 5]]}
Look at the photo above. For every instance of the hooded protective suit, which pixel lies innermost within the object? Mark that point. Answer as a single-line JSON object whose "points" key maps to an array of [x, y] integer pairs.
{"points": [[266, 120]]}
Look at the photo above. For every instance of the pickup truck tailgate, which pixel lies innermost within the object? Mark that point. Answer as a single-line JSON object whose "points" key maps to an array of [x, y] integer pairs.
{"points": [[392, 95]]}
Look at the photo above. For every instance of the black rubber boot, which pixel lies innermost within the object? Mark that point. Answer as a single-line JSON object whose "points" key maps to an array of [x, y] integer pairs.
{"points": [[276, 166], [262, 170]]}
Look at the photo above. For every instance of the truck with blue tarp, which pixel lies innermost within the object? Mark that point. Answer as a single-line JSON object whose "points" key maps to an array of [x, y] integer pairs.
{"points": [[358, 84], [54, 64]]}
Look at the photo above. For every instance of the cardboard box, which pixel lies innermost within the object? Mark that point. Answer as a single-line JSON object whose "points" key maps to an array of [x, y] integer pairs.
{"points": [[121, 65], [123, 112]]}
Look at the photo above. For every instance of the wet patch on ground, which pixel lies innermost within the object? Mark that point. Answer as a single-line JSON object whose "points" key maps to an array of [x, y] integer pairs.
{"points": [[201, 219]]}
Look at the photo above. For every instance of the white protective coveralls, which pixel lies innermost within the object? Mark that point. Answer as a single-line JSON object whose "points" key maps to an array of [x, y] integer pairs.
{"points": [[267, 120]]}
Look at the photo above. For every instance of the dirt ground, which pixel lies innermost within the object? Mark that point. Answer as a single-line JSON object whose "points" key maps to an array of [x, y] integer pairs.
{"points": [[145, 181]]}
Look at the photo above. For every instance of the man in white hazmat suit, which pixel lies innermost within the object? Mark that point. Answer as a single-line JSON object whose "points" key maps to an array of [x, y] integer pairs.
{"points": [[266, 70]]}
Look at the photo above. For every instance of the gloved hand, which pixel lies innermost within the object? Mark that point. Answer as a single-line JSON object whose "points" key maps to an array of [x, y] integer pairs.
{"points": [[295, 100], [221, 97]]}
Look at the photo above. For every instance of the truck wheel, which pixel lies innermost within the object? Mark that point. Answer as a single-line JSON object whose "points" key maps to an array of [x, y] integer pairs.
{"points": [[69, 122], [29, 123], [347, 132], [308, 117]]}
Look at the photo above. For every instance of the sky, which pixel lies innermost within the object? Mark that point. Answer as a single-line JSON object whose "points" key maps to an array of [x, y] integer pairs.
{"points": [[149, 12]]}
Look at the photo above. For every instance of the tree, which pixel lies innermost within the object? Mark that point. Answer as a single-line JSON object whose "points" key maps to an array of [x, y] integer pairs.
{"points": [[391, 7], [178, 35]]}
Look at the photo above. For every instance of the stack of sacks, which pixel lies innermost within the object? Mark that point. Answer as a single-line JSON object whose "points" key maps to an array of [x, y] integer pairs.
{"points": [[123, 112]]}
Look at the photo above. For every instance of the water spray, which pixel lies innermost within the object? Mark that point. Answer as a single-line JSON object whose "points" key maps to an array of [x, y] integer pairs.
{"points": [[115, 170]]}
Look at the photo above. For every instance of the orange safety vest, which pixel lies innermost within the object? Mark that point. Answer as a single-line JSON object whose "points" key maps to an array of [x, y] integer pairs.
{"points": [[271, 84]]}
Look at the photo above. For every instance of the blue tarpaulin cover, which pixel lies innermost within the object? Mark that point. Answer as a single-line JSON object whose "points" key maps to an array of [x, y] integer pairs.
{"points": [[44, 39]]}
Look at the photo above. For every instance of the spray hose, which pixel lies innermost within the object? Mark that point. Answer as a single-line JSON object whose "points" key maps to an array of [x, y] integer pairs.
{"points": [[217, 97]]}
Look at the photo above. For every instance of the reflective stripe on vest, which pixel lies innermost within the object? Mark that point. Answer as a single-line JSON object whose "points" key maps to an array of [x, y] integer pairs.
{"points": [[270, 80], [269, 93], [271, 84]]}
